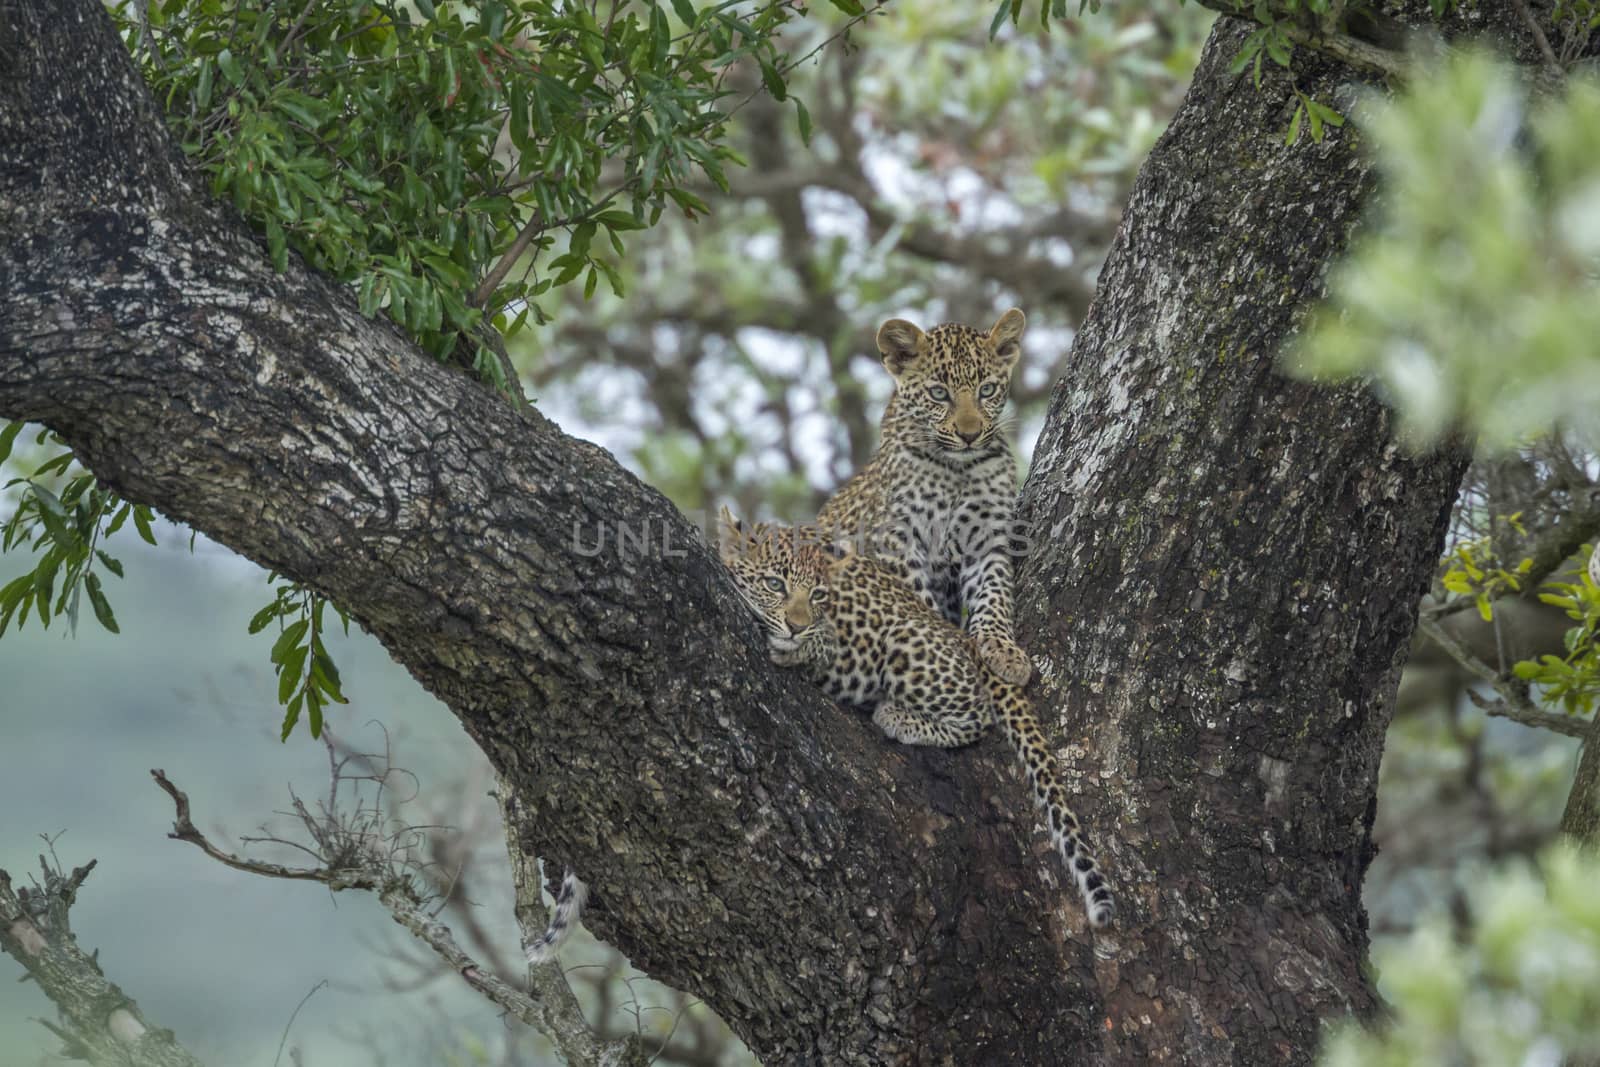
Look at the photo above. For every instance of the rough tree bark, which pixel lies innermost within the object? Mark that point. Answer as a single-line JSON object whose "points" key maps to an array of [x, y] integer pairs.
{"points": [[1263, 546], [1223, 580]]}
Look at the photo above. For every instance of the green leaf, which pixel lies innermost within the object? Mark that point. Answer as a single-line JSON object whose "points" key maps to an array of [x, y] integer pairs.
{"points": [[289, 672], [97, 598], [805, 121], [13, 590], [276, 248], [7, 437], [291, 716], [112, 564], [773, 80], [54, 517], [1294, 125], [686, 12], [288, 640], [202, 91], [853, 8], [620, 221], [141, 521], [999, 17], [230, 67], [259, 620], [326, 676]]}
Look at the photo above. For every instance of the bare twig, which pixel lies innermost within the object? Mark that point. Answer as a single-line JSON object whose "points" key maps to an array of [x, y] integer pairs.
{"points": [[296, 1014], [1551, 62], [183, 829], [497, 274], [1528, 715], [358, 854]]}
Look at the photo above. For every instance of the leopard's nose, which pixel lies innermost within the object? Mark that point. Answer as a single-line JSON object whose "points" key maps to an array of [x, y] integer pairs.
{"points": [[968, 437]]}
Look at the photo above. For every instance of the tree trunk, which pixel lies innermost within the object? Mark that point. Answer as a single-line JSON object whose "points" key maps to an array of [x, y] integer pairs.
{"points": [[1225, 573], [1223, 581], [1581, 820]]}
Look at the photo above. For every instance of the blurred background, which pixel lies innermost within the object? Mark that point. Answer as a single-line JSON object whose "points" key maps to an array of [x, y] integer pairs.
{"points": [[940, 185]]}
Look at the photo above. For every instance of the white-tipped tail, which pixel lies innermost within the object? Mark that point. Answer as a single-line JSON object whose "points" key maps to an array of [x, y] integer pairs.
{"points": [[569, 906], [1097, 901], [1044, 778]]}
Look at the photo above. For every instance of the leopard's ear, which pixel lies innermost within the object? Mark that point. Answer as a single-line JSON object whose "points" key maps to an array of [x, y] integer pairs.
{"points": [[730, 534], [900, 343], [1006, 336]]}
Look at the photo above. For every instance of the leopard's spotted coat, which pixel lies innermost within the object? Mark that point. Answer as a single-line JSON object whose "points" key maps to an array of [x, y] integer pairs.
{"points": [[857, 630], [940, 494]]}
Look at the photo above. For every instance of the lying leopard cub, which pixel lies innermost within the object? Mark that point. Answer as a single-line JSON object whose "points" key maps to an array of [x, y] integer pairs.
{"points": [[859, 631]]}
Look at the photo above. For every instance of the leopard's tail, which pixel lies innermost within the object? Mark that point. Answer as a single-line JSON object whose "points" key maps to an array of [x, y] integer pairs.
{"points": [[1021, 728], [569, 905]]}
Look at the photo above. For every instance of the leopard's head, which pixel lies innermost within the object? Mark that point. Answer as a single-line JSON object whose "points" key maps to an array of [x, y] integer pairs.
{"points": [[781, 573], [951, 383]]}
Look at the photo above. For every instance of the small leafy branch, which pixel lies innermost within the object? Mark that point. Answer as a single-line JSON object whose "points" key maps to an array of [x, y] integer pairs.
{"points": [[307, 677], [1475, 570], [421, 151], [1573, 680], [65, 527]]}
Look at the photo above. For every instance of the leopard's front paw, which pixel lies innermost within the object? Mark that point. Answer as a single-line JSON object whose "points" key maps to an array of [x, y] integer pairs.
{"points": [[1008, 662], [887, 718]]}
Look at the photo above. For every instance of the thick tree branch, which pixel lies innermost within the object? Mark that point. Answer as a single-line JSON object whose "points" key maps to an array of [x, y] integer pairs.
{"points": [[572, 620], [1581, 820], [1264, 543]]}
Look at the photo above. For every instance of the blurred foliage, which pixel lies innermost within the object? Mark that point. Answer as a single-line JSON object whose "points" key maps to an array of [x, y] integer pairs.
{"points": [[1518, 982], [1473, 301], [947, 178]]}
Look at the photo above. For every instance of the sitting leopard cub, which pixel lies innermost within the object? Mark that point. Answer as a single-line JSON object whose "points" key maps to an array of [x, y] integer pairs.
{"points": [[940, 495], [858, 630]]}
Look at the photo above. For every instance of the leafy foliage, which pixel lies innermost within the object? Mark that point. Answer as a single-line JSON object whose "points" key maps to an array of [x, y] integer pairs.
{"points": [[64, 515], [409, 149], [307, 677], [1474, 299], [1519, 984], [1474, 569], [1571, 681]]}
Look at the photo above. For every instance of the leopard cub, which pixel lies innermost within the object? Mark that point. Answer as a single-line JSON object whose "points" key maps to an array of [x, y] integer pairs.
{"points": [[857, 629]]}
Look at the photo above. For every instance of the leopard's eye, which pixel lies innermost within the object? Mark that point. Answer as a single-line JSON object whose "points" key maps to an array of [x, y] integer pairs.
{"points": [[987, 390], [819, 595], [775, 584], [939, 393]]}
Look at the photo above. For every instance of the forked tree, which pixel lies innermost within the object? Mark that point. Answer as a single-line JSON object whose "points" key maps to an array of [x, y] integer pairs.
{"points": [[1222, 577]]}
